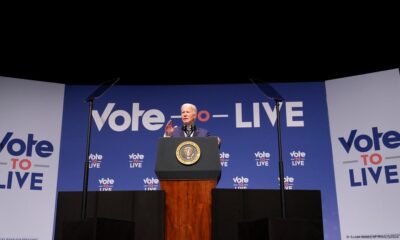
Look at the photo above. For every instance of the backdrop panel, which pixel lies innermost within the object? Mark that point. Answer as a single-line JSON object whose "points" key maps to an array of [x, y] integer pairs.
{"points": [[129, 120], [30, 131], [364, 116]]}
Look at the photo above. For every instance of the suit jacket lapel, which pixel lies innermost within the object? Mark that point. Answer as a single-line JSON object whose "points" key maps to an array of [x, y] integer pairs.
{"points": [[182, 133], [196, 132]]}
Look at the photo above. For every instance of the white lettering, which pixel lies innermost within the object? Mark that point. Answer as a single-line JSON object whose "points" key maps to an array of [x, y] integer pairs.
{"points": [[262, 154], [224, 155], [271, 112], [136, 113], [151, 181], [239, 121], [297, 154], [240, 180], [136, 156], [113, 123], [100, 120], [256, 115], [152, 119], [290, 114], [106, 181]]}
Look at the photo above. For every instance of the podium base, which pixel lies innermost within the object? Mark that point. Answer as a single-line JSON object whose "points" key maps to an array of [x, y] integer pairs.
{"points": [[98, 229]]}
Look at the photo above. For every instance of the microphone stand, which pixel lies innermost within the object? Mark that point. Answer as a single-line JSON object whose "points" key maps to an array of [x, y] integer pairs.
{"points": [[281, 172], [96, 94], [272, 94], [86, 171]]}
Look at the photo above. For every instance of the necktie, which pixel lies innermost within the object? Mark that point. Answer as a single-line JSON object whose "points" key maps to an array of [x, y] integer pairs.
{"points": [[188, 131]]}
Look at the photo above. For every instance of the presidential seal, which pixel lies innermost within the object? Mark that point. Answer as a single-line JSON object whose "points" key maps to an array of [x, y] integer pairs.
{"points": [[188, 152]]}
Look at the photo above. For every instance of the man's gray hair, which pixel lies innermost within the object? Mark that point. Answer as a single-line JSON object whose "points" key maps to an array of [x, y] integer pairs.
{"points": [[192, 106]]}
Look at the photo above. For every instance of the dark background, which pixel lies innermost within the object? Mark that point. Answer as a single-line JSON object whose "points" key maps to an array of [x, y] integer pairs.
{"points": [[192, 51]]}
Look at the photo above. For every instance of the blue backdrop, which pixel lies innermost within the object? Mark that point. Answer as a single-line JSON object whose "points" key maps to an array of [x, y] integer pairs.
{"points": [[129, 120]]}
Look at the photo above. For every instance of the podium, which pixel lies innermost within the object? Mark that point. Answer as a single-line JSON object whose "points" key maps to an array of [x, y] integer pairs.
{"points": [[188, 170]]}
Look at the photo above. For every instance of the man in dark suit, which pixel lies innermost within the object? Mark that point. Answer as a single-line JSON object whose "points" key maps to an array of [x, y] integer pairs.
{"points": [[188, 129]]}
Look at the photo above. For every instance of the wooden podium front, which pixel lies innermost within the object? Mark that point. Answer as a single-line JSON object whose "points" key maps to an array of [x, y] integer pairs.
{"points": [[188, 209], [188, 187]]}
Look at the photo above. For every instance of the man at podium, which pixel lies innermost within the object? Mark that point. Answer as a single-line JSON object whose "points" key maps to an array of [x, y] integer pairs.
{"points": [[188, 167], [188, 129]]}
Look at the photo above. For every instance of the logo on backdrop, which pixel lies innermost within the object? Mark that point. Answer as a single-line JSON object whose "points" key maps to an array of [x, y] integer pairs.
{"points": [[136, 160], [224, 159], [297, 158], [371, 166], [262, 158], [95, 160], [106, 184], [120, 120], [150, 184], [241, 182], [288, 182], [20, 153]]}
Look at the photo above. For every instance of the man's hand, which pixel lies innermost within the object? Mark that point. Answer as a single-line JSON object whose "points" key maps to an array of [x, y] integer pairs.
{"points": [[169, 129]]}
